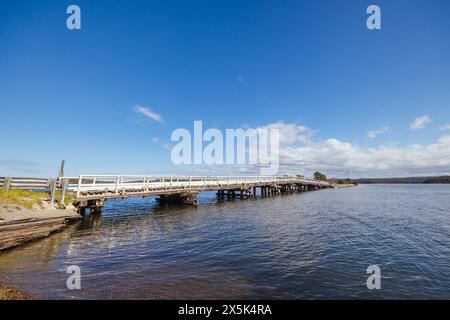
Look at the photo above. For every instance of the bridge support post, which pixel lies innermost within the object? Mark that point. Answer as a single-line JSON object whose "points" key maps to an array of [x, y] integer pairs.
{"points": [[178, 198], [95, 206], [95, 210], [245, 193]]}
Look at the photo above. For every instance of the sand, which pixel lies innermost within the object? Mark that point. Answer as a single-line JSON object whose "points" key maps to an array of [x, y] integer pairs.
{"points": [[10, 213]]}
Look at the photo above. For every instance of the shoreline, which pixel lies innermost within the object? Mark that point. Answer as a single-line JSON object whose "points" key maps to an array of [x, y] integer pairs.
{"points": [[345, 185], [19, 226]]}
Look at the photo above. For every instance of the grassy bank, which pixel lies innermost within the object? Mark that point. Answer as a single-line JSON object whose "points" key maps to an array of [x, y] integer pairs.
{"points": [[28, 215], [29, 199]]}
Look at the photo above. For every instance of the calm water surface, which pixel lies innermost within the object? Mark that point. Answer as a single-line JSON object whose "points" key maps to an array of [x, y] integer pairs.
{"points": [[301, 246]]}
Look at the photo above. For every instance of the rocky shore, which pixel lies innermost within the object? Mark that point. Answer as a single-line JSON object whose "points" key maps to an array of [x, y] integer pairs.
{"points": [[8, 293]]}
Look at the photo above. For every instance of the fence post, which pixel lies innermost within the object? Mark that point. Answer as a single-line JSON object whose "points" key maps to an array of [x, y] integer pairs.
{"points": [[7, 184], [80, 180], [63, 191], [117, 184], [61, 170], [52, 191]]}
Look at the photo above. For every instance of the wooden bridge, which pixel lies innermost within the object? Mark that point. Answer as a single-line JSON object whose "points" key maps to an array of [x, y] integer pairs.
{"points": [[91, 191]]}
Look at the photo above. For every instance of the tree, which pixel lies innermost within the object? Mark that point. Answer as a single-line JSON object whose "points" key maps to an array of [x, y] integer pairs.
{"points": [[319, 176]]}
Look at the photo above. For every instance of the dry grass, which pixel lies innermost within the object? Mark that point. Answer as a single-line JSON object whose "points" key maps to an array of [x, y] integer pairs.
{"points": [[29, 199]]}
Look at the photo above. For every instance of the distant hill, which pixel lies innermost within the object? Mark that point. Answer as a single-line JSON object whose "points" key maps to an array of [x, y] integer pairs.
{"points": [[429, 180]]}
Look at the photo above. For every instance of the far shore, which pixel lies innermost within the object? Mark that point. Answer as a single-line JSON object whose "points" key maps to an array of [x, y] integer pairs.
{"points": [[345, 185]]}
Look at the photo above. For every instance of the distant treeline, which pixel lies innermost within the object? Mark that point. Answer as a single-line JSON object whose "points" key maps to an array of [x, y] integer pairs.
{"points": [[438, 179]]}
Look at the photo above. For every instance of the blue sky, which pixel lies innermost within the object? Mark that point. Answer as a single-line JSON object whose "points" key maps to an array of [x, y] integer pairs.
{"points": [[299, 64]]}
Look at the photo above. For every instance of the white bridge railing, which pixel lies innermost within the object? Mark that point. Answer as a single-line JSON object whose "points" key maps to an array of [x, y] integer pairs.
{"points": [[138, 183]]}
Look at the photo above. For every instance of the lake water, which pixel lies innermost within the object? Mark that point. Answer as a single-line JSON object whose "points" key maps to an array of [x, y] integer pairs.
{"points": [[312, 245]]}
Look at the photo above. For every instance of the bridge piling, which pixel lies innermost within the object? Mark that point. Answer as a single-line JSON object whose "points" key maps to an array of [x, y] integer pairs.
{"points": [[178, 198]]}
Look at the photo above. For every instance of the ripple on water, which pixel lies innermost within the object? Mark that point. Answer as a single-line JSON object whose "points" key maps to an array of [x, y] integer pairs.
{"points": [[309, 245]]}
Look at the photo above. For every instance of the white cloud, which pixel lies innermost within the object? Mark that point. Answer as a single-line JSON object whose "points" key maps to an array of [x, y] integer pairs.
{"points": [[155, 139], [335, 156], [148, 113], [445, 127], [290, 133], [420, 122], [301, 153], [374, 133]]}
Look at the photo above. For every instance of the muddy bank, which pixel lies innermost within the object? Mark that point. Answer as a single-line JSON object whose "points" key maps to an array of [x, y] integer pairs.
{"points": [[19, 225], [8, 293]]}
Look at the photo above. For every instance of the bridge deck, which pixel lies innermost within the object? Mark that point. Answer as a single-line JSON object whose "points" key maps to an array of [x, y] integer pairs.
{"points": [[107, 187]]}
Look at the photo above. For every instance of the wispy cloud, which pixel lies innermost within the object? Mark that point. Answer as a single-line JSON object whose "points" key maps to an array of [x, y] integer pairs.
{"points": [[445, 127], [374, 133], [420, 122], [19, 167], [148, 113]]}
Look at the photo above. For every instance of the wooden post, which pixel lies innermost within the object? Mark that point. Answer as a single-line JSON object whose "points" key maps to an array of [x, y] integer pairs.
{"points": [[80, 180], [7, 184], [52, 191], [61, 170], [63, 191], [117, 184]]}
